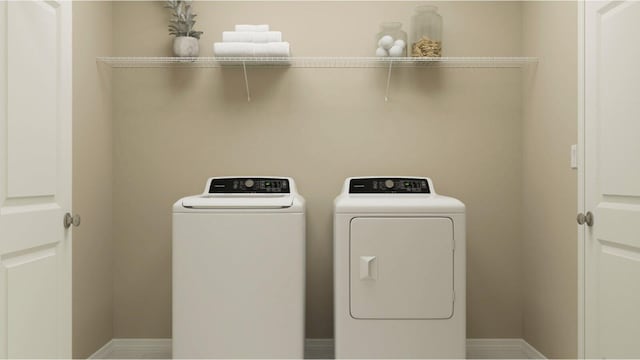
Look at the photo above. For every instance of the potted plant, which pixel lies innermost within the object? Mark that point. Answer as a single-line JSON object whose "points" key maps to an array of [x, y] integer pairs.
{"points": [[181, 25]]}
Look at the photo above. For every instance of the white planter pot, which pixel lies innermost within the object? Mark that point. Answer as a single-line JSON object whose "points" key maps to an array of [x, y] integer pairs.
{"points": [[185, 46]]}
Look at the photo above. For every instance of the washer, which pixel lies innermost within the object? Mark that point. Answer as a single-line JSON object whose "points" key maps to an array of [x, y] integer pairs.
{"points": [[239, 270], [399, 270]]}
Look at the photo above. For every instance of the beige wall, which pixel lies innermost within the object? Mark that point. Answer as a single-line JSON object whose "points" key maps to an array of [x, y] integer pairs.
{"points": [[173, 128], [160, 115], [92, 179], [549, 248]]}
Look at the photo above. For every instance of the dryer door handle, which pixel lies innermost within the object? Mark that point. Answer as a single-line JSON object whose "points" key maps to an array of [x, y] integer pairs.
{"points": [[368, 268]]}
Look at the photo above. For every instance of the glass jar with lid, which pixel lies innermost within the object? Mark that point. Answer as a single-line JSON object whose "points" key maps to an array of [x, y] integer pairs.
{"points": [[391, 40], [426, 32]]}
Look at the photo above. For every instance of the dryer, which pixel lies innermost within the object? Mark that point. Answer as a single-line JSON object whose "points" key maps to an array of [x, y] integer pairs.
{"points": [[399, 270], [239, 270]]}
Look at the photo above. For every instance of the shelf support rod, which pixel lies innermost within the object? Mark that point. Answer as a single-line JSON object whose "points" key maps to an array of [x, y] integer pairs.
{"points": [[246, 81], [386, 94]]}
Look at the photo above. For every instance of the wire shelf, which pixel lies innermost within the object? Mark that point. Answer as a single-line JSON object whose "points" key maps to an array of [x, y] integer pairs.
{"points": [[317, 62]]}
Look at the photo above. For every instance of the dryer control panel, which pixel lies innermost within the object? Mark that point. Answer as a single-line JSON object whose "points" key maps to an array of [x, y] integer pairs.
{"points": [[249, 186], [391, 185]]}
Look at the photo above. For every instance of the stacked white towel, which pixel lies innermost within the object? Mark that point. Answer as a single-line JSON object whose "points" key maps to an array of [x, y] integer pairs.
{"points": [[260, 28], [252, 36], [238, 49], [252, 41]]}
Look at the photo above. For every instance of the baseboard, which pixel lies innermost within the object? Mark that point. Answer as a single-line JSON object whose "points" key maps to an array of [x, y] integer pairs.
{"points": [[104, 352], [315, 349], [134, 349], [318, 349], [531, 352], [501, 349]]}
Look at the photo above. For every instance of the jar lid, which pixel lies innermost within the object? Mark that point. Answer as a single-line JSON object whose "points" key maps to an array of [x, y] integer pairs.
{"points": [[426, 8], [391, 25]]}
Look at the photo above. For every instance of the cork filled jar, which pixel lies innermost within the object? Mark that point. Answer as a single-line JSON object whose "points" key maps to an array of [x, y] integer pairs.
{"points": [[426, 32]]}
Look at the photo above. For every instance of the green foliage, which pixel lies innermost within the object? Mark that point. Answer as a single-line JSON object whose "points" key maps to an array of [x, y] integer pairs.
{"points": [[182, 19]]}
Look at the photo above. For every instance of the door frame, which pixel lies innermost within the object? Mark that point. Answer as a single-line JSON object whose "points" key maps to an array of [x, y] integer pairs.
{"points": [[581, 176]]}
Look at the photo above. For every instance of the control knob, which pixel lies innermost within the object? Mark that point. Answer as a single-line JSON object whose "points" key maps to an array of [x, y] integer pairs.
{"points": [[249, 183], [389, 184]]}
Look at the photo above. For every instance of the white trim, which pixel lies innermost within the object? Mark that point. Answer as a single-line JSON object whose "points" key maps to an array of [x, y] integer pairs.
{"points": [[315, 349], [501, 349], [530, 352], [581, 177], [134, 349], [318, 349], [104, 352]]}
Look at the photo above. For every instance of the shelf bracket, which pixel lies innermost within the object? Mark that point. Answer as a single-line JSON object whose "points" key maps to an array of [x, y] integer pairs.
{"points": [[386, 93], [246, 81]]}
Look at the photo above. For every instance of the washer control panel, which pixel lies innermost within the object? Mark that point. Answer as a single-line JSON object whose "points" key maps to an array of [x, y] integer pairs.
{"points": [[249, 186], [392, 185]]}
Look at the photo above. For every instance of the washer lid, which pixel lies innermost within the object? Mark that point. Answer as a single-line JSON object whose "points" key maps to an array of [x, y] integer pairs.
{"points": [[238, 201]]}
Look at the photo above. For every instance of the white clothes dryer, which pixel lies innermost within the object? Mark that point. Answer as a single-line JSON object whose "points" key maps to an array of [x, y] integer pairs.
{"points": [[399, 270]]}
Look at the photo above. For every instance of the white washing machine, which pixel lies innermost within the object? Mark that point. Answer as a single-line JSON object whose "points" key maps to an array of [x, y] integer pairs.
{"points": [[399, 270], [239, 270]]}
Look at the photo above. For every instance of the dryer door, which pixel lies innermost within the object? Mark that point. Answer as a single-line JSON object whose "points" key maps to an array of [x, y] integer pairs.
{"points": [[401, 268]]}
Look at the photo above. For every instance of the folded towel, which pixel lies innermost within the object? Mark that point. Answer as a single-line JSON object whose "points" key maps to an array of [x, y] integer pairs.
{"points": [[232, 49], [237, 49], [273, 49], [252, 36], [252, 28]]}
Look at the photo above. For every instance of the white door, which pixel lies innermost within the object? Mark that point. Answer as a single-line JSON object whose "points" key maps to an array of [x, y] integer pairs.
{"points": [[35, 179], [612, 179]]}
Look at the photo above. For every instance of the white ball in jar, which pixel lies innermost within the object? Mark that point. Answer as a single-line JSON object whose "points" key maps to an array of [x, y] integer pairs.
{"points": [[385, 42], [380, 52], [396, 51], [400, 43]]}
